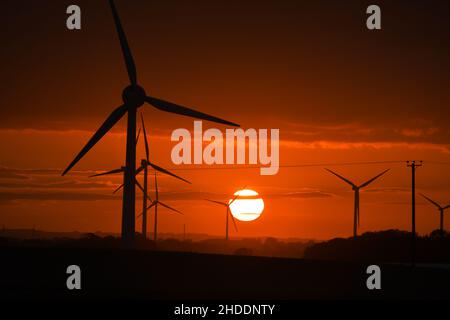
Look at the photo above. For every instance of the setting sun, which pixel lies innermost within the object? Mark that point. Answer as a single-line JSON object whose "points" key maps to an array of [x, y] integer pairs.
{"points": [[248, 205]]}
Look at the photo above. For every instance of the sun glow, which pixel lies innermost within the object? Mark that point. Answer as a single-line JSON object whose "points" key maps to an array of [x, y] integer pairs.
{"points": [[248, 205]]}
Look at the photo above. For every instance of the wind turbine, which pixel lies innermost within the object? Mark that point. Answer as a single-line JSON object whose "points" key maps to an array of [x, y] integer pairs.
{"points": [[122, 170], [228, 213], [441, 211], [356, 189], [155, 204], [133, 96], [144, 167]]}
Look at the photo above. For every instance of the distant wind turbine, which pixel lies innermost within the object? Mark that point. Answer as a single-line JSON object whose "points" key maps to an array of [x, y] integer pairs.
{"points": [[228, 213], [155, 204], [144, 167], [121, 170], [356, 188], [144, 188], [441, 211], [133, 96]]}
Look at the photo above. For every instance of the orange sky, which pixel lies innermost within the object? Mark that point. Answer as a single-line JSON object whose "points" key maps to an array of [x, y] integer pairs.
{"points": [[336, 92]]}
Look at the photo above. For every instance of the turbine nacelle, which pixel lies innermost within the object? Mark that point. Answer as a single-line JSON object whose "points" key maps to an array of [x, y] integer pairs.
{"points": [[134, 96]]}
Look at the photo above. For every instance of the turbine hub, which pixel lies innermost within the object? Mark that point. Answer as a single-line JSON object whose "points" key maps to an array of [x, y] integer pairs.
{"points": [[134, 95], [143, 163]]}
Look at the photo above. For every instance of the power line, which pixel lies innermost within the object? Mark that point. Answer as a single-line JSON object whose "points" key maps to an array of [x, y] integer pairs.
{"points": [[303, 165], [297, 165], [439, 162], [340, 164]]}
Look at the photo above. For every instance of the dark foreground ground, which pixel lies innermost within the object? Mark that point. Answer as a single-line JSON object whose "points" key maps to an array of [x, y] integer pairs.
{"points": [[113, 273]]}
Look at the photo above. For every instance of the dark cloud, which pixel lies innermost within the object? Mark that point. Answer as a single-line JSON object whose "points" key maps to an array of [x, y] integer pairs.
{"points": [[194, 195], [8, 197], [388, 190], [47, 184], [326, 66], [5, 174], [28, 172], [60, 185], [36, 179], [300, 195], [411, 132], [224, 197]]}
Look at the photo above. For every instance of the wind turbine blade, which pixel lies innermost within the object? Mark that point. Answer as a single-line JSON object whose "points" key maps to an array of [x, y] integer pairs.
{"points": [[142, 189], [341, 177], [236, 196], [174, 108], [365, 184], [138, 170], [137, 137], [145, 139], [431, 201], [446, 207], [113, 118], [152, 205], [107, 172], [158, 168], [170, 208], [138, 185], [232, 218], [118, 188], [218, 202], [129, 62]]}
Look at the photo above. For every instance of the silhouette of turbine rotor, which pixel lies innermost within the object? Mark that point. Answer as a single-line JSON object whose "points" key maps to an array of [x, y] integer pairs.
{"points": [[133, 96]]}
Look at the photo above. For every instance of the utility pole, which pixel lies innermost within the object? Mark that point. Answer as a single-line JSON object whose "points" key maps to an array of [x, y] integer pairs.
{"points": [[413, 165]]}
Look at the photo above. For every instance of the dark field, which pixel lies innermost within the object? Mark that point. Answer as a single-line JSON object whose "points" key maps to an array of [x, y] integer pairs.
{"points": [[115, 273]]}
